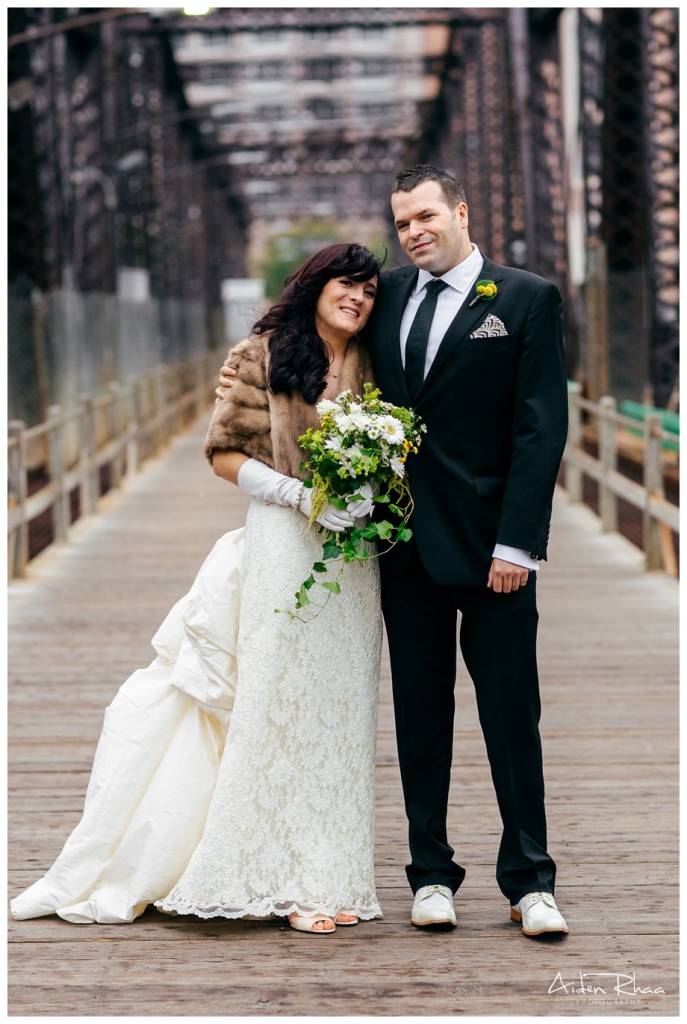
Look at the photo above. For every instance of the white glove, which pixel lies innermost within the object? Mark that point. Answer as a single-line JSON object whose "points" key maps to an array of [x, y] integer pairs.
{"points": [[255, 478], [336, 519], [362, 506]]}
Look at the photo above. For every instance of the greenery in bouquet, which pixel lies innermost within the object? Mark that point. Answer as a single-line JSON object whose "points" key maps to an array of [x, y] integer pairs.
{"points": [[361, 445]]}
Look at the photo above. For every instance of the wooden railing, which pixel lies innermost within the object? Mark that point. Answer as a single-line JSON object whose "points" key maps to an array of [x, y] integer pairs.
{"points": [[104, 437], [116, 431], [655, 448]]}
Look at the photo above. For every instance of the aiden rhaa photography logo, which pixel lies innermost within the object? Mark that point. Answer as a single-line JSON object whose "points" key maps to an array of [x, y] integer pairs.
{"points": [[603, 987]]}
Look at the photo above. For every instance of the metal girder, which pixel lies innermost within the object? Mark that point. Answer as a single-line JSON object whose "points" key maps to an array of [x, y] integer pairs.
{"points": [[624, 210], [629, 74], [548, 215], [355, 132], [298, 19], [660, 47], [473, 134], [323, 157]]}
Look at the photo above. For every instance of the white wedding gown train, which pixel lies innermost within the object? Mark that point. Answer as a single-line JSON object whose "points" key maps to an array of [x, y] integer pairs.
{"points": [[275, 816]]}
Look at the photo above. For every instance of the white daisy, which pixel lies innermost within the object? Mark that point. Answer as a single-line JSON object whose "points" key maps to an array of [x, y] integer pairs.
{"points": [[373, 429], [398, 467], [391, 429]]}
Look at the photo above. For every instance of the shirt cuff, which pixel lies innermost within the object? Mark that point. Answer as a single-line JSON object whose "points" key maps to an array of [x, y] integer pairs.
{"points": [[516, 555]]}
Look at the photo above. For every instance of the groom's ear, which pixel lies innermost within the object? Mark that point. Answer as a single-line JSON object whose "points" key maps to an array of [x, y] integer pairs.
{"points": [[462, 214]]}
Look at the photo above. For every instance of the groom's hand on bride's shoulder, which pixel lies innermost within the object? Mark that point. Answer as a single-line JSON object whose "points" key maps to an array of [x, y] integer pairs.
{"points": [[226, 379]]}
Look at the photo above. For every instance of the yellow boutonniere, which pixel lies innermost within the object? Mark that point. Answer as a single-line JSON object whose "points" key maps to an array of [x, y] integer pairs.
{"points": [[486, 290]]}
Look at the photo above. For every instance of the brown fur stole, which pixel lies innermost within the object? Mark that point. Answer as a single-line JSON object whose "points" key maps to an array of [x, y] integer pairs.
{"points": [[250, 419]]}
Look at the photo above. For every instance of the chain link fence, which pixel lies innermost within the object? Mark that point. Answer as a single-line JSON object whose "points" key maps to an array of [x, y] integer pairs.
{"points": [[66, 345]]}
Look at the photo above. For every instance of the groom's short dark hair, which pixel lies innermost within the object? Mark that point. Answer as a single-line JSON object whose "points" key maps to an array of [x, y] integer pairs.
{"points": [[409, 179]]}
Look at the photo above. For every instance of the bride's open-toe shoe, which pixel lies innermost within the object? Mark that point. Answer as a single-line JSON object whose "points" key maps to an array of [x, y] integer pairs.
{"points": [[305, 924], [345, 920]]}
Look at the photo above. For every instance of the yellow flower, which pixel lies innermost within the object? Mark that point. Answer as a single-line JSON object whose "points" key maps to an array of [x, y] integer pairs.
{"points": [[484, 290]]}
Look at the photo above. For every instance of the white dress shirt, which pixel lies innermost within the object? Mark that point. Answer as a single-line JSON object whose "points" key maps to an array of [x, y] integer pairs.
{"points": [[460, 280]]}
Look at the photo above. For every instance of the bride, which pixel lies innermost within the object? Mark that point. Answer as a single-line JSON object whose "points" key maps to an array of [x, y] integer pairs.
{"points": [[235, 775]]}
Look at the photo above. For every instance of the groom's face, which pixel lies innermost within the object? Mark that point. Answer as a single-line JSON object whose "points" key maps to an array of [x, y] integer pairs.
{"points": [[434, 235]]}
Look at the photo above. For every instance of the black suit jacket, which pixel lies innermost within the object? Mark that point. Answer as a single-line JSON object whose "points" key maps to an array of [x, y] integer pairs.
{"points": [[496, 415]]}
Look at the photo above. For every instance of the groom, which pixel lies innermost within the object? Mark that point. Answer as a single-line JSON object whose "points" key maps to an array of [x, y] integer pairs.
{"points": [[477, 349]]}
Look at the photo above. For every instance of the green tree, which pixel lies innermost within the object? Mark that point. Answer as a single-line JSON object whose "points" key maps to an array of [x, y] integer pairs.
{"points": [[288, 249]]}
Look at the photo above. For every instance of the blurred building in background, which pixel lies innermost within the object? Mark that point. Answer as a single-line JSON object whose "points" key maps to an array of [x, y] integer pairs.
{"points": [[154, 158]]}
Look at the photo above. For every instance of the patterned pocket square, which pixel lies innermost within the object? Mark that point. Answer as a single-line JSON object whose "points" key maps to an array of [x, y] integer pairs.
{"points": [[492, 327]]}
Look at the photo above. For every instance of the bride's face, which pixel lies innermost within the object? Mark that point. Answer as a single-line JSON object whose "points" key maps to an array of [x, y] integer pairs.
{"points": [[344, 306]]}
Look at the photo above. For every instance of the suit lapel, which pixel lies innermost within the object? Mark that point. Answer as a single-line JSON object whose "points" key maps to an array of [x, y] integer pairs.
{"points": [[463, 322], [389, 329]]}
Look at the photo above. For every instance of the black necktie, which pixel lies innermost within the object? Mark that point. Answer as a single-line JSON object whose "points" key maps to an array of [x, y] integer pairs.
{"points": [[416, 345]]}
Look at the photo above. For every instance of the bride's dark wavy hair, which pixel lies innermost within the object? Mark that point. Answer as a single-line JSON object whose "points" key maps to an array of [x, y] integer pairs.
{"points": [[298, 356]]}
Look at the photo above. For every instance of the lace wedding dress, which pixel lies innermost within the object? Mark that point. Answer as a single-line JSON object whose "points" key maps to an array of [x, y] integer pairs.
{"points": [[273, 816]]}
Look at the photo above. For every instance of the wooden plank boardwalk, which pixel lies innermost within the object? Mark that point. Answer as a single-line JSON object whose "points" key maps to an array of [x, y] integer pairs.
{"points": [[81, 622]]}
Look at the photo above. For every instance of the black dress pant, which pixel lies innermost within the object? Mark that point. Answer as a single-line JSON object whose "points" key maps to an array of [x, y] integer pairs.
{"points": [[498, 643]]}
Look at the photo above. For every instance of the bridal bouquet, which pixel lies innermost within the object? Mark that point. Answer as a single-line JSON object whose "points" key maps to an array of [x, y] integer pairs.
{"points": [[362, 445]]}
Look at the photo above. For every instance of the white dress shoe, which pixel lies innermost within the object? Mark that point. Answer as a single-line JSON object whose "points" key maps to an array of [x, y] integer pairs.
{"points": [[539, 914], [433, 905]]}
